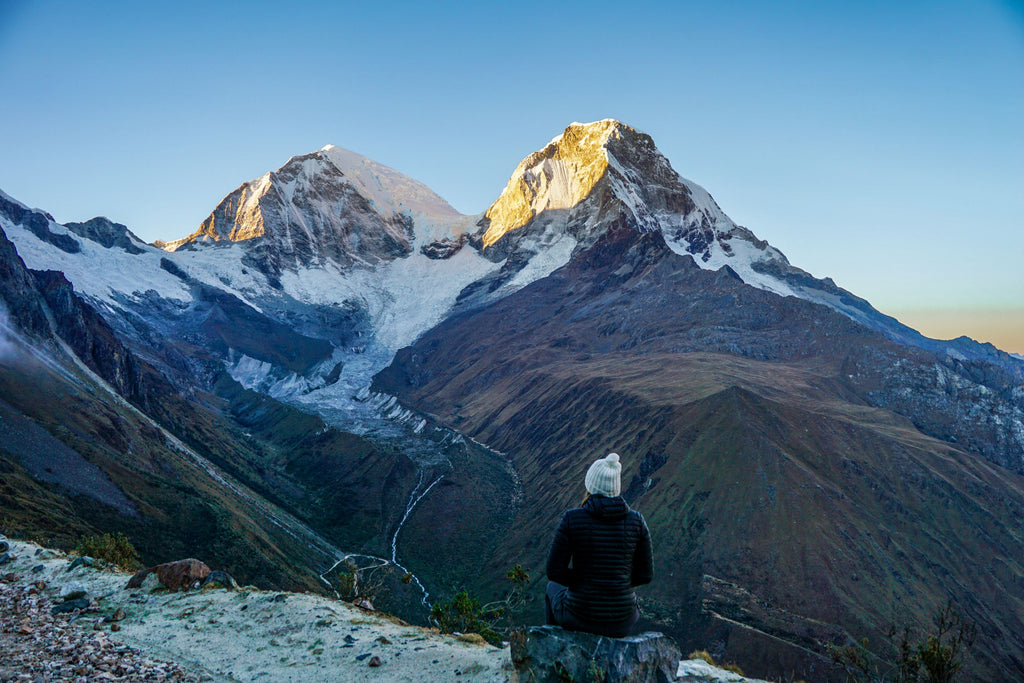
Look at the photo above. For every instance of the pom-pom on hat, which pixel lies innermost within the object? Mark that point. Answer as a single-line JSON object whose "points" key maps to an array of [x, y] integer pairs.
{"points": [[604, 476]]}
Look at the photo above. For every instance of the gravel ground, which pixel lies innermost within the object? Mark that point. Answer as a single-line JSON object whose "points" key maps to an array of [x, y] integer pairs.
{"points": [[36, 645]]}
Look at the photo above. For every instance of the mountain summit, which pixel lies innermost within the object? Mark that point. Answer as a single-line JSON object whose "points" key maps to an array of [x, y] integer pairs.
{"points": [[602, 174], [332, 204]]}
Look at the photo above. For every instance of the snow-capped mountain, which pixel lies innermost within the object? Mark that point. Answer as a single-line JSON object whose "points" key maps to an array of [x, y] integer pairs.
{"points": [[336, 247], [329, 206], [593, 176]]}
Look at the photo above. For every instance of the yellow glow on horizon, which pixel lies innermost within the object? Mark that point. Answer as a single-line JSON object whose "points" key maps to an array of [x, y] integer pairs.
{"points": [[1003, 328]]}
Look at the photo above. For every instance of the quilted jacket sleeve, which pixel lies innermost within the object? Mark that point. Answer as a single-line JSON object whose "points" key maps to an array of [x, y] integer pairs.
{"points": [[643, 557], [560, 556]]}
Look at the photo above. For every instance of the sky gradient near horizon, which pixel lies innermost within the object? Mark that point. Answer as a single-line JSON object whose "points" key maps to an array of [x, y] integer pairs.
{"points": [[877, 143]]}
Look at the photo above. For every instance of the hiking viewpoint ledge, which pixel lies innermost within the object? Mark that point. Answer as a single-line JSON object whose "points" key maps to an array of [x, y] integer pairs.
{"points": [[549, 654]]}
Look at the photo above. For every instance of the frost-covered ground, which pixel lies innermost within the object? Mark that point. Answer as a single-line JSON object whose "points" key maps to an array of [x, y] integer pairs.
{"points": [[253, 635]]}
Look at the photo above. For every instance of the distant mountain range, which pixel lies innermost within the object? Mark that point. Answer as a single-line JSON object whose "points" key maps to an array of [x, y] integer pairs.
{"points": [[349, 353]]}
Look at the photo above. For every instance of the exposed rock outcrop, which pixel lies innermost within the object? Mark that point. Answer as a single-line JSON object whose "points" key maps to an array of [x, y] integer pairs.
{"points": [[107, 233], [549, 654]]}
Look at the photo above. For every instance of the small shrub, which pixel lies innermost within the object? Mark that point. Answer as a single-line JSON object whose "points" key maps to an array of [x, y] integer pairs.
{"points": [[734, 668], [702, 654], [463, 614], [114, 548], [355, 582], [595, 673]]}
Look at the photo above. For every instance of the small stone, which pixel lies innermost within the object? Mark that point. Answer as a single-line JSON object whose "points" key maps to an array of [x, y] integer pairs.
{"points": [[5, 558], [118, 615], [361, 657], [38, 568], [383, 640], [364, 604], [375, 661], [219, 579], [83, 561], [115, 627], [280, 597], [4, 546], [70, 606]]}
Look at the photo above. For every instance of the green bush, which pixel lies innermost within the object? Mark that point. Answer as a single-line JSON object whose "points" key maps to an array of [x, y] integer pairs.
{"points": [[463, 614], [114, 548]]}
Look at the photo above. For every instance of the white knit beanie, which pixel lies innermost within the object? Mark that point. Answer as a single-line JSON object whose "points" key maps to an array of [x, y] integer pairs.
{"points": [[603, 477]]}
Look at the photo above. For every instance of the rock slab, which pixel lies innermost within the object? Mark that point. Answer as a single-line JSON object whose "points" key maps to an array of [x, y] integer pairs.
{"points": [[550, 654]]}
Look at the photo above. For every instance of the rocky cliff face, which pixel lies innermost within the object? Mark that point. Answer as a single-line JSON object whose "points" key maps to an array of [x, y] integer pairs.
{"points": [[108, 234], [43, 304]]}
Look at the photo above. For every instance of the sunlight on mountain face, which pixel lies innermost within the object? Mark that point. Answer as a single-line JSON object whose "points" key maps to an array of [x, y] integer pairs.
{"points": [[557, 177]]}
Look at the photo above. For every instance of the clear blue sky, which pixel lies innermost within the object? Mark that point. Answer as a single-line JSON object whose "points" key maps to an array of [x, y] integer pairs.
{"points": [[879, 143]]}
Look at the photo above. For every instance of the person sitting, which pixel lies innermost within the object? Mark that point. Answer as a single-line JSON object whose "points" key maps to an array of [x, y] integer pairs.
{"points": [[601, 551]]}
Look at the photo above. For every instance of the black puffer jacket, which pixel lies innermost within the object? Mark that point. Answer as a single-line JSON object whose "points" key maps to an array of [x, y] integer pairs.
{"points": [[609, 547]]}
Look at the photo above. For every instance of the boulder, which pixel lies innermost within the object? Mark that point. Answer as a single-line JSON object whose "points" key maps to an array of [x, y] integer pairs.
{"points": [[83, 561], [177, 575], [544, 654], [151, 583], [4, 545]]}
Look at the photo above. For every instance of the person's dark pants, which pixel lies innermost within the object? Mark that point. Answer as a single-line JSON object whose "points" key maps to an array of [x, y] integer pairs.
{"points": [[557, 614]]}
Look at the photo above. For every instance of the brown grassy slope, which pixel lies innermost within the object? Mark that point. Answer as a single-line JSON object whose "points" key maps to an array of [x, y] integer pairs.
{"points": [[758, 464]]}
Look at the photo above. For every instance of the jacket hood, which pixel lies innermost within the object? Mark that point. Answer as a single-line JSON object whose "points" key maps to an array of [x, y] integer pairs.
{"points": [[604, 507]]}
